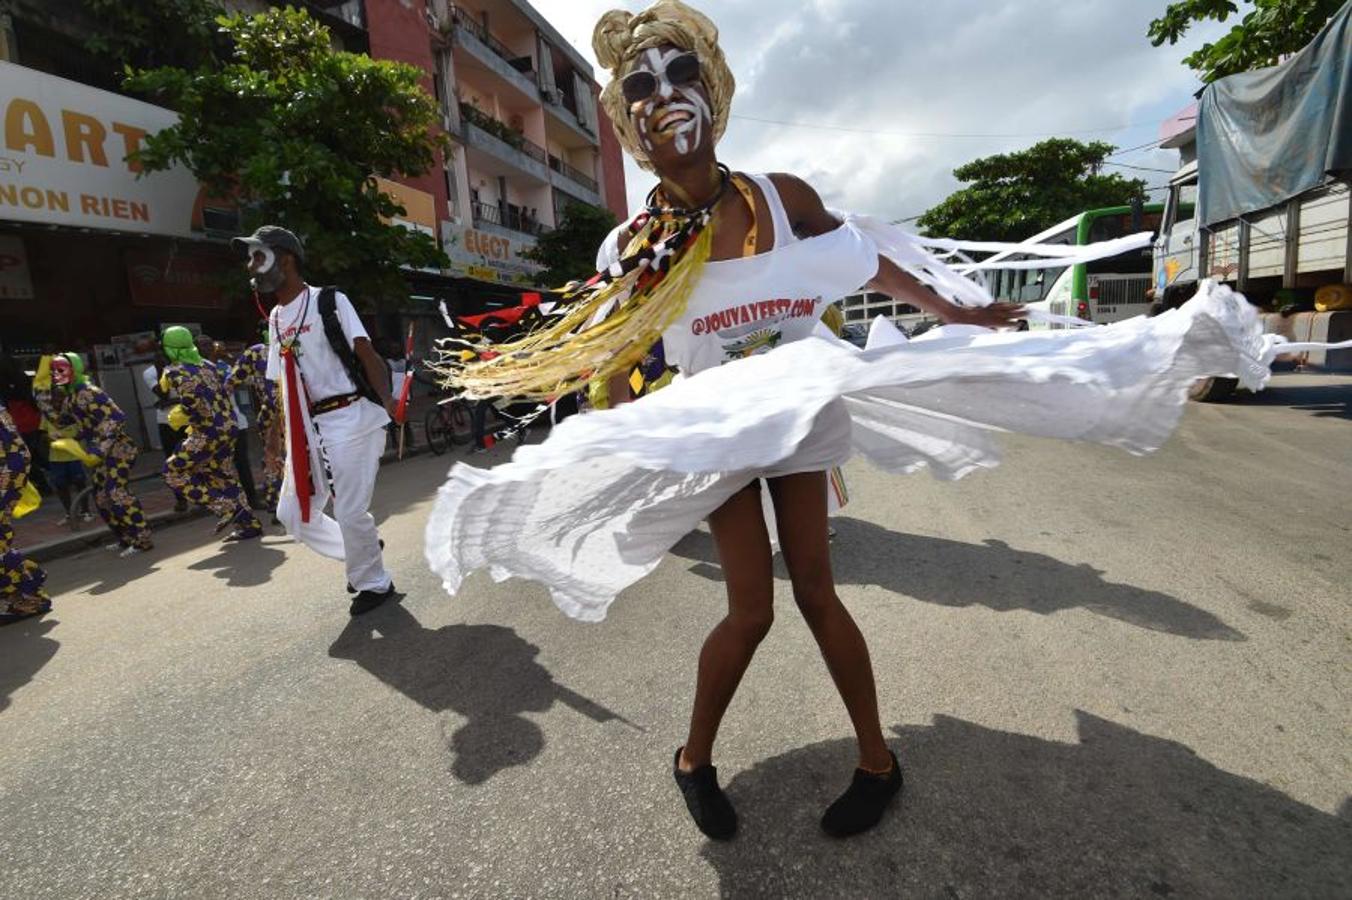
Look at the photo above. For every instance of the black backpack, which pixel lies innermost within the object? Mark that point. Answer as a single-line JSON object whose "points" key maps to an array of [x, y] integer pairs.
{"points": [[333, 330]]}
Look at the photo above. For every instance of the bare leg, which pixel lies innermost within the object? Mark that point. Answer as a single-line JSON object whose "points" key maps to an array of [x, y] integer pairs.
{"points": [[800, 508], [744, 551]]}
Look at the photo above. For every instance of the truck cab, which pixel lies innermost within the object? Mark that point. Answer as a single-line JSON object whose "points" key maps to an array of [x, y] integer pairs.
{"points": [[1176, 255]]}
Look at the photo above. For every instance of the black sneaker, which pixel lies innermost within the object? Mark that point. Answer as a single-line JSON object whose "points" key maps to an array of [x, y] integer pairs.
{"points": [[864, 802], [365, 601], [708, 805]]}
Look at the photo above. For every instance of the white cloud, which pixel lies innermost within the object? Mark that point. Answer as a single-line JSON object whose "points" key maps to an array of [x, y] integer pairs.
{"points": [[916, 69]]}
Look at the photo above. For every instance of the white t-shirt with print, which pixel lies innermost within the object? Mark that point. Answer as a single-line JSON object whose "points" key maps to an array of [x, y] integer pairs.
{"points": [[322, 371]]}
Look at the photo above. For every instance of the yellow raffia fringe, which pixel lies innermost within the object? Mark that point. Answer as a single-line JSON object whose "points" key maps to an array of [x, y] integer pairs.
{"points": [[566, 354]]}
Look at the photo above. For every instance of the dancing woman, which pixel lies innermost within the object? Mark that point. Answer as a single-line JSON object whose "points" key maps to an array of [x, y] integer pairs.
{"points": [[731, 273]]}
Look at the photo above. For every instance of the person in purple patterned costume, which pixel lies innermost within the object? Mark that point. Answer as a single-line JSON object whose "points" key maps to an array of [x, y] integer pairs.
{"points": [[250, 372], [100, 428], [21, 579], [202, 468]]}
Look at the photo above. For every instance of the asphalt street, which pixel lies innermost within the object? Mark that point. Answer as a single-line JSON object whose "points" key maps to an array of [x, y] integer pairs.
{"points": [[1105, 676]]}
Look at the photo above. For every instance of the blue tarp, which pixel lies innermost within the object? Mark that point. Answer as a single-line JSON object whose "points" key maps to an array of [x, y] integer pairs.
{"points": [[1265, 136]]}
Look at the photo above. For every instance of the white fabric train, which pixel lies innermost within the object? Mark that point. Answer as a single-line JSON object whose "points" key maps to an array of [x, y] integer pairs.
{"points": [[596, 506]]}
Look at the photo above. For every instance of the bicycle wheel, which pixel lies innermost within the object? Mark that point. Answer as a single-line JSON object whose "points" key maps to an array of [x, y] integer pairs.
{"points": [[437, 426], [461, 429]]}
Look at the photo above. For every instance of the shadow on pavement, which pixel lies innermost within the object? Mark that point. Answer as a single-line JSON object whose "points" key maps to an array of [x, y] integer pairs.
{"points": [[242, 564], [992, 574], [994, 814], [121, 572], [1324, 400], [486, 674], [24, 649]]}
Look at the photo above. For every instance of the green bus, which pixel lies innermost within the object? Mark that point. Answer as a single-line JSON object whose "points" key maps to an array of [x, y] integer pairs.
{"points": [[1107, 290]]}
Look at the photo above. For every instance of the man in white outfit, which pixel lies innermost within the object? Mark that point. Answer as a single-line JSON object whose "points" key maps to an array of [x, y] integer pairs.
{"points": [[334, 386]]}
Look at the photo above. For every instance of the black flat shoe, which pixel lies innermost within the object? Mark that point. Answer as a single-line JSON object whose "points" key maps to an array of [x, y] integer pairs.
{"points": [[864, 802], [709, 806], [365, 601]]}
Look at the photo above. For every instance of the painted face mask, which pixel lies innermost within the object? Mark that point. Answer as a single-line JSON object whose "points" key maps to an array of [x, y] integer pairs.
{"points": [[63, 373], [267, 275], [665, 101]]}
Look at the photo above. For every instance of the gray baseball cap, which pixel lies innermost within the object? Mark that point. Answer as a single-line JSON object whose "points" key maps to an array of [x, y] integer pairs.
{"points": [[274, 237]]}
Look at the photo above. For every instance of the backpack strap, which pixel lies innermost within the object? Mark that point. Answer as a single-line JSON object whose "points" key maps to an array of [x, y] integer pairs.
{"points": [[342, 347]]}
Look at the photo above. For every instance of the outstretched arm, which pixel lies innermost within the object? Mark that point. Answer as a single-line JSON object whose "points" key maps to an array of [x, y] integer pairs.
{"points": [[810, 217]]}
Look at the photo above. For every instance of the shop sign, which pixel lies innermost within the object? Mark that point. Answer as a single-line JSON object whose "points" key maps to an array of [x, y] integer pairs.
{"points": [[489, 257], [178, 280], [16, 282], [63, 159]]}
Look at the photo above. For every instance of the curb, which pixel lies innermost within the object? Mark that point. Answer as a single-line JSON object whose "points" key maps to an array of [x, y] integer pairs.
{"points": [[83, 540]]}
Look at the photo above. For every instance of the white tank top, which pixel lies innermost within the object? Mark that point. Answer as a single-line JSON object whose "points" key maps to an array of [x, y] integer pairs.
{"points": [[752, 304]]}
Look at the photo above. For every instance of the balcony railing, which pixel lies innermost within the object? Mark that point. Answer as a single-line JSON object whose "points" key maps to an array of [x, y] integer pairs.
{"points": [[461, 19], [512, 217], [503, 132], [577, 175]]}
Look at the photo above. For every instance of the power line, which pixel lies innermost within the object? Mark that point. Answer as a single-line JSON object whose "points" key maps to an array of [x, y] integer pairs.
{"points": [[1151, 144], [937, 134], [1139, 168]]}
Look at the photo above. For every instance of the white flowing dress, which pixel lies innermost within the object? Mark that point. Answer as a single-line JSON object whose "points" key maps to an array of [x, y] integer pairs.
{"points": [[595, 507]]}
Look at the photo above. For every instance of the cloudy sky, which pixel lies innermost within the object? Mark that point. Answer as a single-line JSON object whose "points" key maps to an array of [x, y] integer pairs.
{"points": [[899, 92]]}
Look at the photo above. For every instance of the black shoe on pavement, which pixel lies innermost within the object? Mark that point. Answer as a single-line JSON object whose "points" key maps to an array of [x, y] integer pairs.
{"points": [[709, 806], [864, 802], [243, 534], [365, 601]]}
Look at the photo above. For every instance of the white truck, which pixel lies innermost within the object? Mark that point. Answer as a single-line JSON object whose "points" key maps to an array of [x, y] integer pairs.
{"points": [[1263, 201]]}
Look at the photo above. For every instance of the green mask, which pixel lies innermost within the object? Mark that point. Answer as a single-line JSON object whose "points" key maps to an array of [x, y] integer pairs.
{"points": [[180, 346]]}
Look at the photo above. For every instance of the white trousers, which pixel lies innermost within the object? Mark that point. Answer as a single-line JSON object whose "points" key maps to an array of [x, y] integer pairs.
{"points": [[354, 465]]}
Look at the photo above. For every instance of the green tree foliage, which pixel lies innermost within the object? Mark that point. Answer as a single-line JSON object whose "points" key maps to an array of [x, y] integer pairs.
{"points": [[297, 131], [153, 33], [1270, 30], [569, 251], [1012, 196]]}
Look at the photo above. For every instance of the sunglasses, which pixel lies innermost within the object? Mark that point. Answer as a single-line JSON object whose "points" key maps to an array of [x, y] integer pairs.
{"points": [[640, 84]]}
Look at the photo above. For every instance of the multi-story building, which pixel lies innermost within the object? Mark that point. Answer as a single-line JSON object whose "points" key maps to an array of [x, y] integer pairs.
{"points": [[520, 104], [863, 307]]}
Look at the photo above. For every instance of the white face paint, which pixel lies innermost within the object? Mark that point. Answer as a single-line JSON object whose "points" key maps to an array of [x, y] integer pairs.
{"points": [[263, 267], [684, 114]]}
